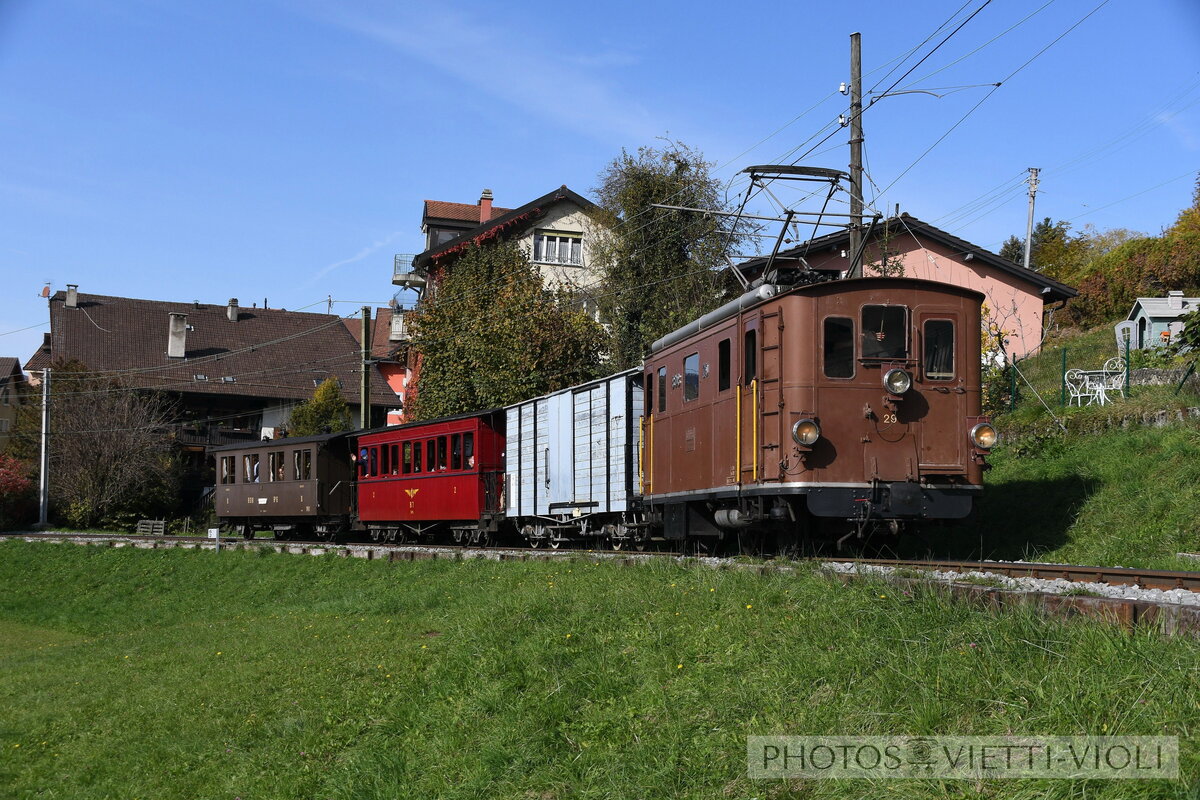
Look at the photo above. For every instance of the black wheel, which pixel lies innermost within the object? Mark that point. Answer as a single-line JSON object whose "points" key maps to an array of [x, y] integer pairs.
{"points": [[617, 544], [555, 543]]}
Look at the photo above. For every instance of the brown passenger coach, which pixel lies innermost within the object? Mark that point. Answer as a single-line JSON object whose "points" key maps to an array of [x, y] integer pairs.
{"points": [[842, 407]]}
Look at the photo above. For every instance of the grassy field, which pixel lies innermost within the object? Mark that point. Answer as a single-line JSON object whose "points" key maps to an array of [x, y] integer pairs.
{"points": [[165, 674]]}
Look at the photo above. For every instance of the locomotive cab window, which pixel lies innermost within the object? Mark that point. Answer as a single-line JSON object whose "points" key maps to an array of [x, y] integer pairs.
{"points": [[691, 377], [649, 392], [884, 332], [839, 347], [723, 365], [662, 388], [939, 349]]}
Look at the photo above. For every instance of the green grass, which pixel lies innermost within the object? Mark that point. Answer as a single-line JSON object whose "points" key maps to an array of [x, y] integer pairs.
{"points": [[164, 674], [1127, 497]]}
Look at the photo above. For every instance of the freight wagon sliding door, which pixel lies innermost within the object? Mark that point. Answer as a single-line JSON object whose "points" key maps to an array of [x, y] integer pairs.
{"points": [[590, 429]]}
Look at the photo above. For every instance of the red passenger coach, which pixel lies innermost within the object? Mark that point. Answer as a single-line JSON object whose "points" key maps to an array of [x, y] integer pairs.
{"points": [[430, 479]]}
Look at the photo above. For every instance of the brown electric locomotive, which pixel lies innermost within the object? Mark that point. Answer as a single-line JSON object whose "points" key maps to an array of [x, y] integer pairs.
{"points": [[854, 402]]}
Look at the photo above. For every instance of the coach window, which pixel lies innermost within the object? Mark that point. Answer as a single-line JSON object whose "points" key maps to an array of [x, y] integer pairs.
{"points": [[662, 388], [275, 461], [691, 377], [407, 456], [395, 470], [374, 461], [416, 456], [302, 464], [431, 455], [385, 460], [469, 449], [839, 347], [362, 462], [649, 392], [723, 370], [250, 468], [884, 332], [455, 451], [750, 356], [228, 463], [441, 453], [939, 349]]}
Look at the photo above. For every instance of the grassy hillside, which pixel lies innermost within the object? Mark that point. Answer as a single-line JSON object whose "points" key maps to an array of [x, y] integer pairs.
{"points": [[167, 674]]}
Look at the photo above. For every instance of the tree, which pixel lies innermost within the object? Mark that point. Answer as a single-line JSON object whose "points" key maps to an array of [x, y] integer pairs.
{"points": [[111, 455], [661, 268], [16, 492], [489, 335], [1013, 249], [325, 412]]}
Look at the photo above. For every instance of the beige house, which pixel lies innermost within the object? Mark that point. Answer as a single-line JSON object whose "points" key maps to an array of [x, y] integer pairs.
{"points": [[557, 231]]}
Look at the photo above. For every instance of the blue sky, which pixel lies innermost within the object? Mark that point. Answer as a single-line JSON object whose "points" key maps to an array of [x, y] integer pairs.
{"points": [[281, 150]]}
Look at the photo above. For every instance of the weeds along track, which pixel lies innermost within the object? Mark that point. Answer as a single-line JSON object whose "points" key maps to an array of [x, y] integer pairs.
{"points": [[1166, 600]]}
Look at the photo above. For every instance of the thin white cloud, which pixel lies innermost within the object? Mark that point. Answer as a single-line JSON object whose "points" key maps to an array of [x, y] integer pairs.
{"points": [[524, 71], [359, 256]]}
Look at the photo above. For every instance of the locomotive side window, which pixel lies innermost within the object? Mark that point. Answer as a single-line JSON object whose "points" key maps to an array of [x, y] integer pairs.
{"points": [[228, 464], [750, 357], [839, 347], [649, 392], [939, 349], [884, 332], [441, 452], [662, 388], [455, 451], [723, 367], [691, 377], [250, 468], [469, 449], [408, 454]]}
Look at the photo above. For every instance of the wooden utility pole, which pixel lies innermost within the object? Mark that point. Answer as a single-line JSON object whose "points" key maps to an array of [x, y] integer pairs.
{"points": [[856, 157], [1033, 187], [364, 384]]}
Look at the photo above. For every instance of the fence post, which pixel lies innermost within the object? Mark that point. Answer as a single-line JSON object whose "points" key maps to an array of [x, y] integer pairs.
{"points": [[1063, 378], [1128, 367]]}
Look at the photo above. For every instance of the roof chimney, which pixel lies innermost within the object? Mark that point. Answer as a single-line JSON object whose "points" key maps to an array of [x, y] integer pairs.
{"points": [[231, 310], [1175, 301], [177, 335], [72, 295], [485, 205]]}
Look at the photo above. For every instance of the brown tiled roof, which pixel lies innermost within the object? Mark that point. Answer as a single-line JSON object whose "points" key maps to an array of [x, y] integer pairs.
{"points": [[268, 353], [464, 212], [10, 368], [381, 329]]}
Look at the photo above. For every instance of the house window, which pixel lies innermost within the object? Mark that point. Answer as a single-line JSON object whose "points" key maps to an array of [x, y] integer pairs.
{"points": [[691, 377], [4, 396], [556, 247], [4, 425]]}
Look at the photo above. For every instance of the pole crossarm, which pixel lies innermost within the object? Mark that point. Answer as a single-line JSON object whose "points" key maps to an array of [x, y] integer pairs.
{"points": [[749, 216]]}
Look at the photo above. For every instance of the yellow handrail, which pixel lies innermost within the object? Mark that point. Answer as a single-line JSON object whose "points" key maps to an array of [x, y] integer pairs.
{"points": [[650, 446], [754, 392], [642, 455]]}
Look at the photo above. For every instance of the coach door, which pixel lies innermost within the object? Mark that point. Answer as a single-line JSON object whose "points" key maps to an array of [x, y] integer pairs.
{"points": [[941, 382]]}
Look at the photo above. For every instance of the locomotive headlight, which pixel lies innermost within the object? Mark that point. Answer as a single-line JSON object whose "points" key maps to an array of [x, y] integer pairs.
{"points": [[806, 432], [984, 436], [897, 381]]}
